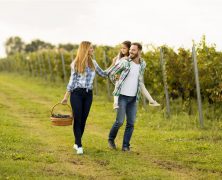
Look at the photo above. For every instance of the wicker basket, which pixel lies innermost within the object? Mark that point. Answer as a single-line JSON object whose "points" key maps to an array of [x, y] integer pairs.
{"points": [[61, 121]]}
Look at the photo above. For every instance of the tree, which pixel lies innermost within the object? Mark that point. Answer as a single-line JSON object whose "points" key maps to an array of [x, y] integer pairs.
{"points": [[14, 45], [68, 46], [36, 45]]}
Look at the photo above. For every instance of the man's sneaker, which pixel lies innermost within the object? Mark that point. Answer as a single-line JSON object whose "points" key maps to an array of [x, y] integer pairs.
{"points": [[75, 146], [154, 103], [125, 148], [111, 144], [79, 150], [115, 106]]}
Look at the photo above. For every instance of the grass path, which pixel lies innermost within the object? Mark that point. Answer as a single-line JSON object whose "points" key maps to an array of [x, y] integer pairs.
{"points": [[32, 148]]}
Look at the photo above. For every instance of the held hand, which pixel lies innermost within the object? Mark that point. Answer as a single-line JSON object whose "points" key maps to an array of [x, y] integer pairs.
{"points": [[64, 101]]}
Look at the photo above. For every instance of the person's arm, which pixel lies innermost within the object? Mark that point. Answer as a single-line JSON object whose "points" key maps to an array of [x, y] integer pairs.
{"points": [[113, 62], [117, 69], [99, 71], [66, 96], [69, 88]]}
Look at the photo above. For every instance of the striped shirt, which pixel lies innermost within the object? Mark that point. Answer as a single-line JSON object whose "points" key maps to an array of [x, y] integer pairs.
{"points": [[84, 80]]}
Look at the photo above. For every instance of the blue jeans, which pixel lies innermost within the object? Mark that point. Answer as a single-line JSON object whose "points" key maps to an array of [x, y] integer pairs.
{"points": [[128, 107], [81, 101]]}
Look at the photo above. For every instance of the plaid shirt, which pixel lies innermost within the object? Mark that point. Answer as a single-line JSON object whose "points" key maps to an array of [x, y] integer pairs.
{"points": [[84, 80], [123, 68]]}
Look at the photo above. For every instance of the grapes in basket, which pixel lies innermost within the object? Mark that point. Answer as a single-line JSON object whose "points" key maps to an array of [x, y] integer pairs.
{"points": [[60, 116]]}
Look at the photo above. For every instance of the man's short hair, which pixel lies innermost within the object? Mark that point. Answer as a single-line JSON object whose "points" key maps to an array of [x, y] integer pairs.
{"points": [[138, 45]]}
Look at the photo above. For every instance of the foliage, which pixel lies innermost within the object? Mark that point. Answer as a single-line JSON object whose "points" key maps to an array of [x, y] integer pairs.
{"points": [[47, 63], [14, 45]]}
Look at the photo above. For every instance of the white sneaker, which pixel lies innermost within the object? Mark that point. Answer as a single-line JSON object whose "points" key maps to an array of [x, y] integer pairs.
{"points": [[75, 146], [154, 103], [79, 150]]}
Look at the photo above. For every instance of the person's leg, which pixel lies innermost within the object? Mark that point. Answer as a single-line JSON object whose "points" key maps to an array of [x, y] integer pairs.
{"points": [[131, 109], [115, 102], [146, 93], [86, 108], [76, 103], [119, 118]]}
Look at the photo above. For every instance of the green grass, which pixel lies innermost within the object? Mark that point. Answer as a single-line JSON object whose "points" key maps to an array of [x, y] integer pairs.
{"points": [[31, 148]]}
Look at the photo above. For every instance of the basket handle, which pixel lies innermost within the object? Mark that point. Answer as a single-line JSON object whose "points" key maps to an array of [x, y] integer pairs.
{"points": [[62, 104]]}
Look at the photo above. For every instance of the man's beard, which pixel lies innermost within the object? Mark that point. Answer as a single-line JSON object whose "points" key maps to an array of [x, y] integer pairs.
{"points": [[134, 56]]}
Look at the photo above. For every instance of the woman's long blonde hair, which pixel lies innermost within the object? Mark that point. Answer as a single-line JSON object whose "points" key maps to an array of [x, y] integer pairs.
{"points": [[82, 57]]}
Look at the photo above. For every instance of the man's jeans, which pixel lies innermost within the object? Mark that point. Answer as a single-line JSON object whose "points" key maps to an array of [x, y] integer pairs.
{"points": [[128, 107]]}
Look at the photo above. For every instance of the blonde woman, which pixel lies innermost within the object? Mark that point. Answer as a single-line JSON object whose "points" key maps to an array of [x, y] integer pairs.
{"points": [[79, 88]]}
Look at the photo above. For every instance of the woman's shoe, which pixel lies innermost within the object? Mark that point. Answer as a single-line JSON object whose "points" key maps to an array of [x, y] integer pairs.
{"points": [[75, 146], [79, 150]]}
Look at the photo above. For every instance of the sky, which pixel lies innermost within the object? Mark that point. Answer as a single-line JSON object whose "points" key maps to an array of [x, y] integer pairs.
{"points": [[109, 22]]}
